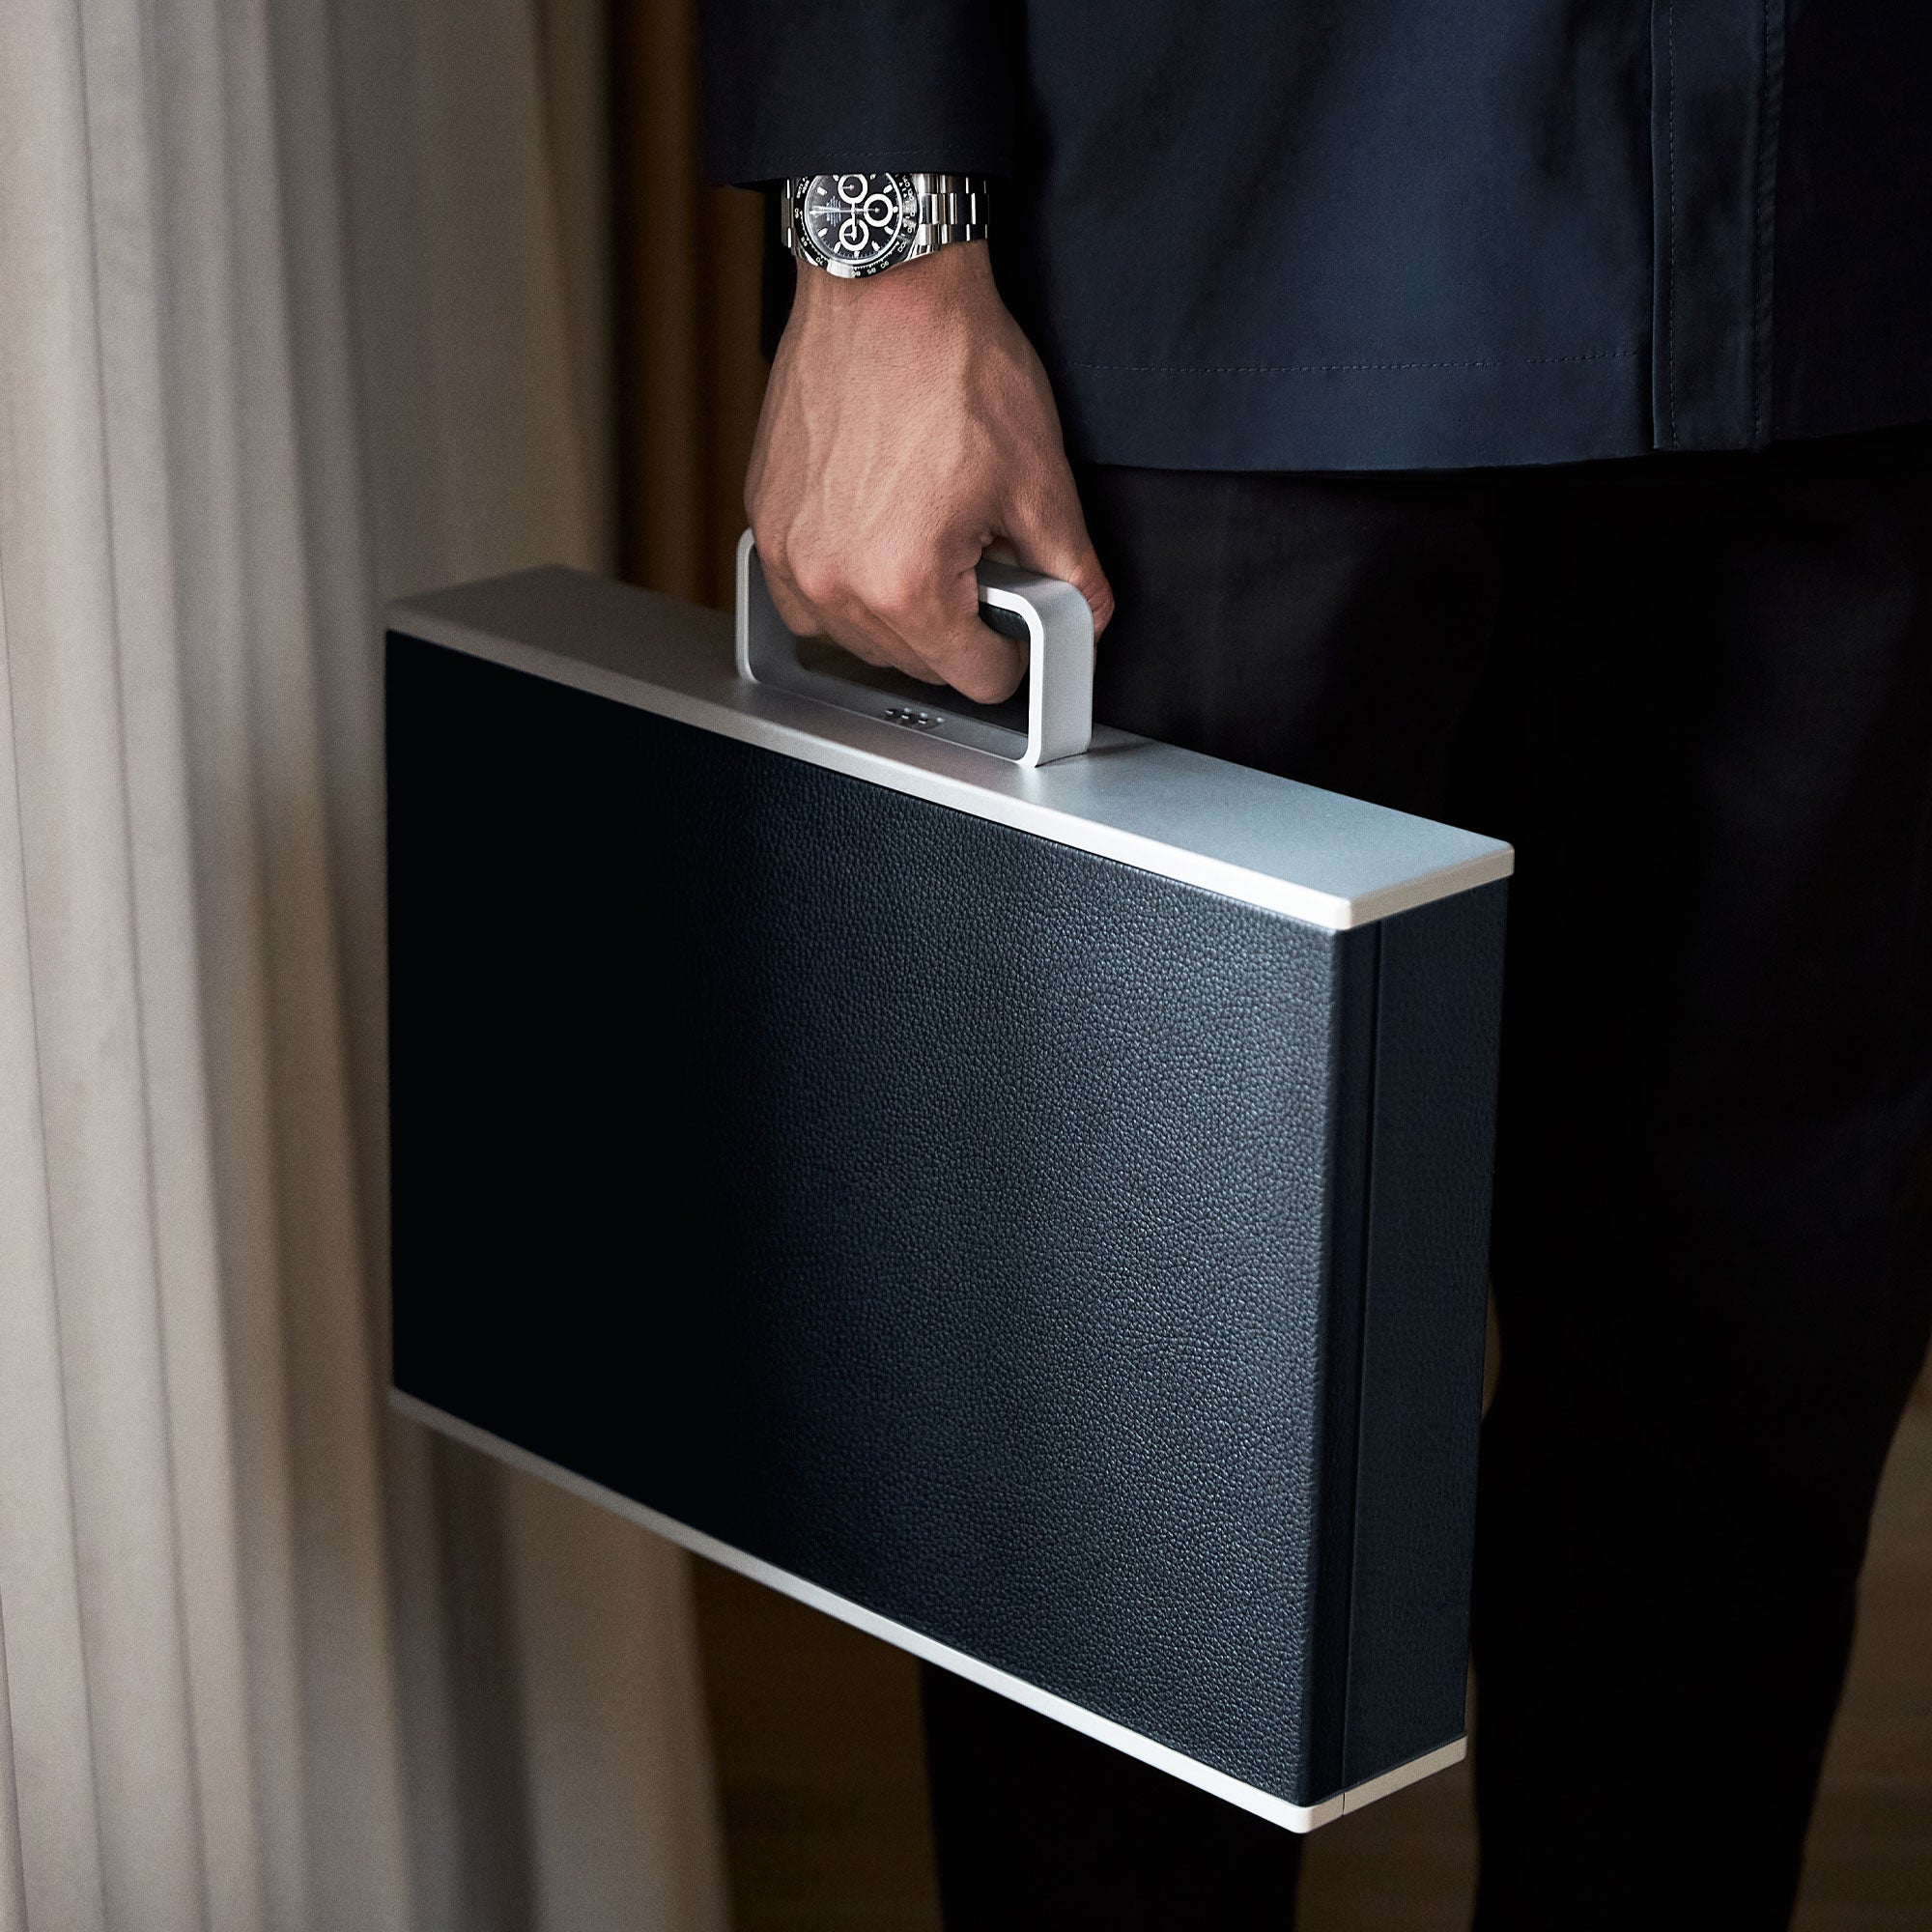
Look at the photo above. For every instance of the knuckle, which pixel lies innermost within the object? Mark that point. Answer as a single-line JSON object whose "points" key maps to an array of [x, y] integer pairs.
{"points": [[819, 579], [769, 537], [896, 589]]}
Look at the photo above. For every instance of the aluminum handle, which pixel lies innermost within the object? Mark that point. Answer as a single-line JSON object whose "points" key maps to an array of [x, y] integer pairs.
{"points": [[1058, 630]]}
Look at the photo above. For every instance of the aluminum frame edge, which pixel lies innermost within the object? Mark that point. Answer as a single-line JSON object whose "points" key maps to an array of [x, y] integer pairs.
{"points": [[964, 780], [1264, 1804]]}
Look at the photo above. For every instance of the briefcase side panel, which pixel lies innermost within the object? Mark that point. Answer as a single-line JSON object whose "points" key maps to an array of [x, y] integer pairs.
{"points": [[676, 1210], [1356, 992], [1437, 1040]]}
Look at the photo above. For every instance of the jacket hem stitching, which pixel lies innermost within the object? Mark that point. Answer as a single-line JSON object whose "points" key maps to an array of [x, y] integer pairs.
{"points": [[1346, 368]]}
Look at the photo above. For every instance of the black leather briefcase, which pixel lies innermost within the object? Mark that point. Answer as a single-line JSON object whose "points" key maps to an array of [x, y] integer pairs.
{"points": [[1025, 1196]]}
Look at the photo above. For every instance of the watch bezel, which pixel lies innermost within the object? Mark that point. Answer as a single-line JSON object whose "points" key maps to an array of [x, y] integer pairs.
{"points": [[901, 248]]}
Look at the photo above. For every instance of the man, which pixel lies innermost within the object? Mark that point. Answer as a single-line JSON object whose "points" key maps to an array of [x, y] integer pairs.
{"points": [[1507, 414]]}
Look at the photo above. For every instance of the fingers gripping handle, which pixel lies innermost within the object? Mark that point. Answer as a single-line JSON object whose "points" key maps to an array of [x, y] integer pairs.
{"points": [[1059, 631]]}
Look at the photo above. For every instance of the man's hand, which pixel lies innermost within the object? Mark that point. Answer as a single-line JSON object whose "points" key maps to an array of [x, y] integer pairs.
{"points": [[908, 427]]}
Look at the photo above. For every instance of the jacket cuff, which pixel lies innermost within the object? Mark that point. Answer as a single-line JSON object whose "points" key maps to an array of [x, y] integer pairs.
{"points": [[802, 87]]}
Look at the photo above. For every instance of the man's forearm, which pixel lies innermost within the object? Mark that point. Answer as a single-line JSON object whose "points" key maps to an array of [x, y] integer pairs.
{"points": [[907, 429]]}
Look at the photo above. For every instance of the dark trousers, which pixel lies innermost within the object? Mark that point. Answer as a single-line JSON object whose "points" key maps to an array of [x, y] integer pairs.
{"points": [[1696, 695]]}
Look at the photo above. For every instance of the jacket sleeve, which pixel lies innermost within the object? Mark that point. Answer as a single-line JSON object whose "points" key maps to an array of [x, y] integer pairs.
{"points": [[801, 87]]}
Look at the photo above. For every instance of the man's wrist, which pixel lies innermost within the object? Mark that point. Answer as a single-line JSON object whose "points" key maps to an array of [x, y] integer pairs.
{"points": [[948, 277]]}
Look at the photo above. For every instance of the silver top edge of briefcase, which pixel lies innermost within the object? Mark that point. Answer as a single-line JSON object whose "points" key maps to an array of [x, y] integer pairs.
{"points": [[1291, 848]]}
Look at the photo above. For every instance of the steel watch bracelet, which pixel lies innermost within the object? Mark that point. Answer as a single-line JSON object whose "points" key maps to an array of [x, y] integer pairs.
{"points": [[949, 208], [946, 209]]}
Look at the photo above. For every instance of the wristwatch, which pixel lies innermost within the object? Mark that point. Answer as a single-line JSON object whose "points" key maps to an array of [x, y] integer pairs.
{"points": [[852, 225]]}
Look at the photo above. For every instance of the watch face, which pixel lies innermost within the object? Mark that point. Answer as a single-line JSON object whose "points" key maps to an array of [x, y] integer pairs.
{"points": [[856, 222]]}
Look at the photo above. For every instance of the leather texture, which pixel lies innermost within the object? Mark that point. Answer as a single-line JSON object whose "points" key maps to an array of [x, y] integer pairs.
{"points": [[978, 1228]]}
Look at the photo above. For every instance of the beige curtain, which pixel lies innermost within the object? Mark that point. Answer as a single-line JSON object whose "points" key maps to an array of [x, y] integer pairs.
{"points": [[295, 312]]}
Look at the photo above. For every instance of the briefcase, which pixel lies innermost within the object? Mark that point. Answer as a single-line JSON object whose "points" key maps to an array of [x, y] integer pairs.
{"points": [[1015, 1186]]}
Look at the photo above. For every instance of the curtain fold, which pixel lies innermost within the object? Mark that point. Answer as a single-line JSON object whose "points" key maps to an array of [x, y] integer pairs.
{"points": [[285, 329]]}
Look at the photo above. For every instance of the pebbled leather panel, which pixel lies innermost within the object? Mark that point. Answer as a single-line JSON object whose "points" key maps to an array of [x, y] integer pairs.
{"points": [[1437, 1040], [968, 1223]]}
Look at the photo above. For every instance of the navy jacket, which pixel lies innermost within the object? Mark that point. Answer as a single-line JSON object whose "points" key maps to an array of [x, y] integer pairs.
{"points": [[1375, 234]]}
